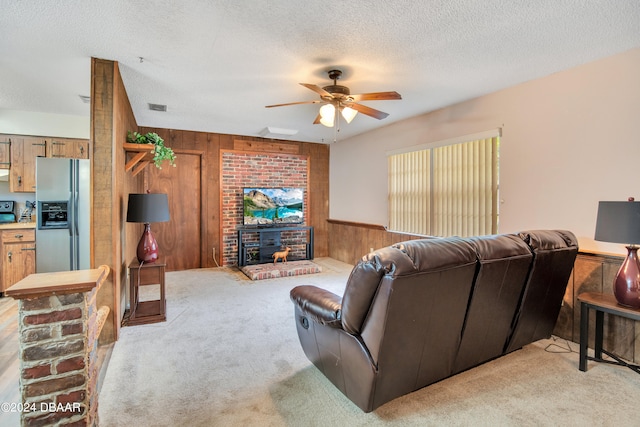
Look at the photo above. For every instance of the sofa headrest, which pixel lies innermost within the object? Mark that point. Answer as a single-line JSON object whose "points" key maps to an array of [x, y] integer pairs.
{"points": [[547, 240], [499, 246], [430, 255]]}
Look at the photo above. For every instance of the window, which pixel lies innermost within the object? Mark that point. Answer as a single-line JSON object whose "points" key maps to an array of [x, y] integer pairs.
{"points": [[450, 188]]}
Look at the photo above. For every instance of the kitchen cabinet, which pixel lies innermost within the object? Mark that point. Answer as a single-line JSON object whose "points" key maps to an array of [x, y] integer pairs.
{"points": [[24, 150], [5, 145], [68, 148], [18, 153], [18, 255]]}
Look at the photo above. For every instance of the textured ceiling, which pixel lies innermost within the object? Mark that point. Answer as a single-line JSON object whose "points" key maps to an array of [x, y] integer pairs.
{"points": [[217, 63]]}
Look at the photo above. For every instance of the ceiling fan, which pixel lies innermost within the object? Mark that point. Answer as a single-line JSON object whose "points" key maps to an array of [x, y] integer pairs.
{"points": [[337, 98]]}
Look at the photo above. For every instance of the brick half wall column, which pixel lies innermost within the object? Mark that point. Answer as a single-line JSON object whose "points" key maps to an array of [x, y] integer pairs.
{"points": [[59, 325]]}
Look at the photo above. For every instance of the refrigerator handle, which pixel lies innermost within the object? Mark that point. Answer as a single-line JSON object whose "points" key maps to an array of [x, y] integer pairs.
{"points": [[70, 215], [76, 195], [75, 212]]}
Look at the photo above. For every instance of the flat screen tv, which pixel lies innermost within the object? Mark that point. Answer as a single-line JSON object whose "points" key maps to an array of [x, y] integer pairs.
{"points": [[273, 206]]}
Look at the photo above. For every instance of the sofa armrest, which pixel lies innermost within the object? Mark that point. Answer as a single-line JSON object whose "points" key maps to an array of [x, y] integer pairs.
{"points": [[320, 305]]}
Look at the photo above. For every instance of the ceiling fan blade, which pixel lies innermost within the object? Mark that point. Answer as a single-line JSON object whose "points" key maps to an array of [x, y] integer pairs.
{"points": [[317, 89], [376, 114], [293, 103], [376, 96]]}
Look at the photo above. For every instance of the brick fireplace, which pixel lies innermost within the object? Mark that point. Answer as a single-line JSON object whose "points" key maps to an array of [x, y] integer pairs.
{"points": [[242, 169]]}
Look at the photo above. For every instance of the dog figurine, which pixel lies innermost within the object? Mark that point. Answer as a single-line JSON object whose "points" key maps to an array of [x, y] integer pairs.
{"points": [[281, 254]]}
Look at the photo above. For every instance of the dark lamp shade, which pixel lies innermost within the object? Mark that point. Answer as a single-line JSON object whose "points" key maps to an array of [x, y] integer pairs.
{"points": [[618, 222], [148, 207]]}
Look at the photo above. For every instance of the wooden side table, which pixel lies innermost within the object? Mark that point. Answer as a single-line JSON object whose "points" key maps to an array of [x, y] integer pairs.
{"points": [[601, 303], [142, 312]]}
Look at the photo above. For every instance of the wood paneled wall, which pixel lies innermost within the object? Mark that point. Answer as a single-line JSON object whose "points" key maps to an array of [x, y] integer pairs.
{"points": [[594, 272], [350, 241]]}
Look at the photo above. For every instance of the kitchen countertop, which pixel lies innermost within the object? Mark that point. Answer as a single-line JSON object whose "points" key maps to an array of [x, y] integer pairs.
{"points": [[41, 284], [16, 225]]}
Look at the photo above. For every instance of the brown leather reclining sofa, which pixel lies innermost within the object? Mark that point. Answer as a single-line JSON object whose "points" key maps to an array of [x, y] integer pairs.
{"points": [[423, 310]]}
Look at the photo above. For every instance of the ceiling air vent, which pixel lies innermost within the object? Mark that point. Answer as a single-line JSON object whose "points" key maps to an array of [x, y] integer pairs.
{"points": [[157, 107]]}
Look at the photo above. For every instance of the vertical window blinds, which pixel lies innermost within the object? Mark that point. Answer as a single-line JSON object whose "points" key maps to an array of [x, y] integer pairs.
{"points": [[410, 191], [448, 190]]}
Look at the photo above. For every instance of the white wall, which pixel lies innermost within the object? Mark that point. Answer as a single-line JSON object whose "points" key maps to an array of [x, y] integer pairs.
{"points": [[568, 141], [44, 124]]}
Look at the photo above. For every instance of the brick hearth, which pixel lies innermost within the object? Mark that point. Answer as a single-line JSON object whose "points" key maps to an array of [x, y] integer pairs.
{"points": [[285, 269]]}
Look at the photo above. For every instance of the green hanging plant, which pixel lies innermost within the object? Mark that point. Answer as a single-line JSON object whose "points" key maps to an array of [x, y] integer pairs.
{"points": [[161, 151]]}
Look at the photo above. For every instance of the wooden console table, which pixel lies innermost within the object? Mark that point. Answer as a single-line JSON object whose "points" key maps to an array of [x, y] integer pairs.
{"points": [[601, 303], [142, 312], [268, 242]]}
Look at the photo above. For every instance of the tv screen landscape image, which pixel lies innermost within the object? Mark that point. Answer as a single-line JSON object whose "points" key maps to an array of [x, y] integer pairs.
{"points": [[273, 206]]}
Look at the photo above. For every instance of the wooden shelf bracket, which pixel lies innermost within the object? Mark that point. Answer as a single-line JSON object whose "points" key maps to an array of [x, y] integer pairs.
{"points": [[142, 157]]}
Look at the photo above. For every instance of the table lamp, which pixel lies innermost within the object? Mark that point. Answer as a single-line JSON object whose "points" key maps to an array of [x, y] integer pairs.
{"points": [[619, 222], [147, 208]]}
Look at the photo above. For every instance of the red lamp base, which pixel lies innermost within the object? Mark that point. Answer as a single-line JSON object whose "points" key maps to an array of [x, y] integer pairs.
{"points": [[626, 287], [147, 251]]}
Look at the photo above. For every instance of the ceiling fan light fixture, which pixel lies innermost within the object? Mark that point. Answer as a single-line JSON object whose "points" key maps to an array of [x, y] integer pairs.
{"points": [[348, 113], [336, 99], [328, 122], [327, 115]]}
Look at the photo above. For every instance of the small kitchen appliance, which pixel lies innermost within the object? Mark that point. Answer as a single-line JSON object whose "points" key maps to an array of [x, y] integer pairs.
{"points": [[7, 212]]}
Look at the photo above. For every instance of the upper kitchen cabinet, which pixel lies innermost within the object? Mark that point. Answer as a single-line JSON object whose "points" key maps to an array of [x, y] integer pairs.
{"points": [[5, 144], [24, 151], [68, 148], [18, 153]]}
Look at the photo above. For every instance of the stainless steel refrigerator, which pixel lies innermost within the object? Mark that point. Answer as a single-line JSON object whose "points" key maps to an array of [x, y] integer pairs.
{"points": [[63, 214]]}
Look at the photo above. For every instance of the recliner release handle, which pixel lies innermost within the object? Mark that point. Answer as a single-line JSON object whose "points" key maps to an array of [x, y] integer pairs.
{"points": [[304, 322]]}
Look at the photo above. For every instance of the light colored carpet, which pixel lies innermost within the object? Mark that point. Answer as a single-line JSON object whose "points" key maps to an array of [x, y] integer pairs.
{"points": [[229, 355]]}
